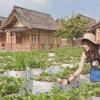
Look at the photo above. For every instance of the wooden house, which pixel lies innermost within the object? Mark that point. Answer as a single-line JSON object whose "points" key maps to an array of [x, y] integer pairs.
{"points": [[27, 30]]}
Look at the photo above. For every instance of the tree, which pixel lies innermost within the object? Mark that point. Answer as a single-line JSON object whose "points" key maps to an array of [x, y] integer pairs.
{"points": [[73, 27]]}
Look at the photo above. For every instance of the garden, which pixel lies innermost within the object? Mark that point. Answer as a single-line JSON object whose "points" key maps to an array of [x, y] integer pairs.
{"points": [[33, 76]]}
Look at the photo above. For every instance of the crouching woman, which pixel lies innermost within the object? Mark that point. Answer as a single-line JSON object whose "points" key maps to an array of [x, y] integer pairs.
{"points": [[91, 53]]}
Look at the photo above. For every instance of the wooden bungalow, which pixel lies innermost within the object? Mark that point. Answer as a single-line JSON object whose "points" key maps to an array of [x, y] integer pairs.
{"points": [[27, 30]]}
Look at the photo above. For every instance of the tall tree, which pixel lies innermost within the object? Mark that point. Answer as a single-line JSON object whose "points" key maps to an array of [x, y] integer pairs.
{"points": [[73, 27]]}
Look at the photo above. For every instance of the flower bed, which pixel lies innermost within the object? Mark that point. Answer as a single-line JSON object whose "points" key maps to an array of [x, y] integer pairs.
{"points": [[67, 58]]}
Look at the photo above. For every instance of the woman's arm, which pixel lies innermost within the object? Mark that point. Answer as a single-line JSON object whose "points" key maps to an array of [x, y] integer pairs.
{"points": [[77, 72], [80, 69]]}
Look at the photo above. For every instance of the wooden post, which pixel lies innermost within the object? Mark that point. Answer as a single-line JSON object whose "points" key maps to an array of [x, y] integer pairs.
{"points": [[48, 43], [30, 39], [14, 40], [8, 40], [38, 40], [55, 42]]}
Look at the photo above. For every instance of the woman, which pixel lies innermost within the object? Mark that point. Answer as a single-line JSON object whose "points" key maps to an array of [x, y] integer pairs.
{"points": [[91, 54]]}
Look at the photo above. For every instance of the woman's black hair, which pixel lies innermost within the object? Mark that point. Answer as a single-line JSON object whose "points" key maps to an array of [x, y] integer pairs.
{"points": [[93, 53], [87, 41]]}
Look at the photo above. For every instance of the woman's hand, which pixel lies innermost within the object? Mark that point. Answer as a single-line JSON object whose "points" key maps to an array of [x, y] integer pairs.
{"points": [[62, 82]]}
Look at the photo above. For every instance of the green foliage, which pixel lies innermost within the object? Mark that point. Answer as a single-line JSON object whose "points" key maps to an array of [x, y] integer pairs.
{"points": [[21, 60], [53, 77], [82, 93], [68, 55], [10, 85], [37, 59], [73, 27], [86, 68], [13, 60]]}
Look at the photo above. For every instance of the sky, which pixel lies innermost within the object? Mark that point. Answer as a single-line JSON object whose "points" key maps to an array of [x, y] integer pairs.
{"points": [[56, 8]]}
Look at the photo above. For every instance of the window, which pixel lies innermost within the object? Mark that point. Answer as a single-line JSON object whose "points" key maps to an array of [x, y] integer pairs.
{"points": [[34, 39]]}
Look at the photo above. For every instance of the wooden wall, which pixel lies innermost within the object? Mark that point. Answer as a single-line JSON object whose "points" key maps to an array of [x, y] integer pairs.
{"points": [[97, 33]]}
